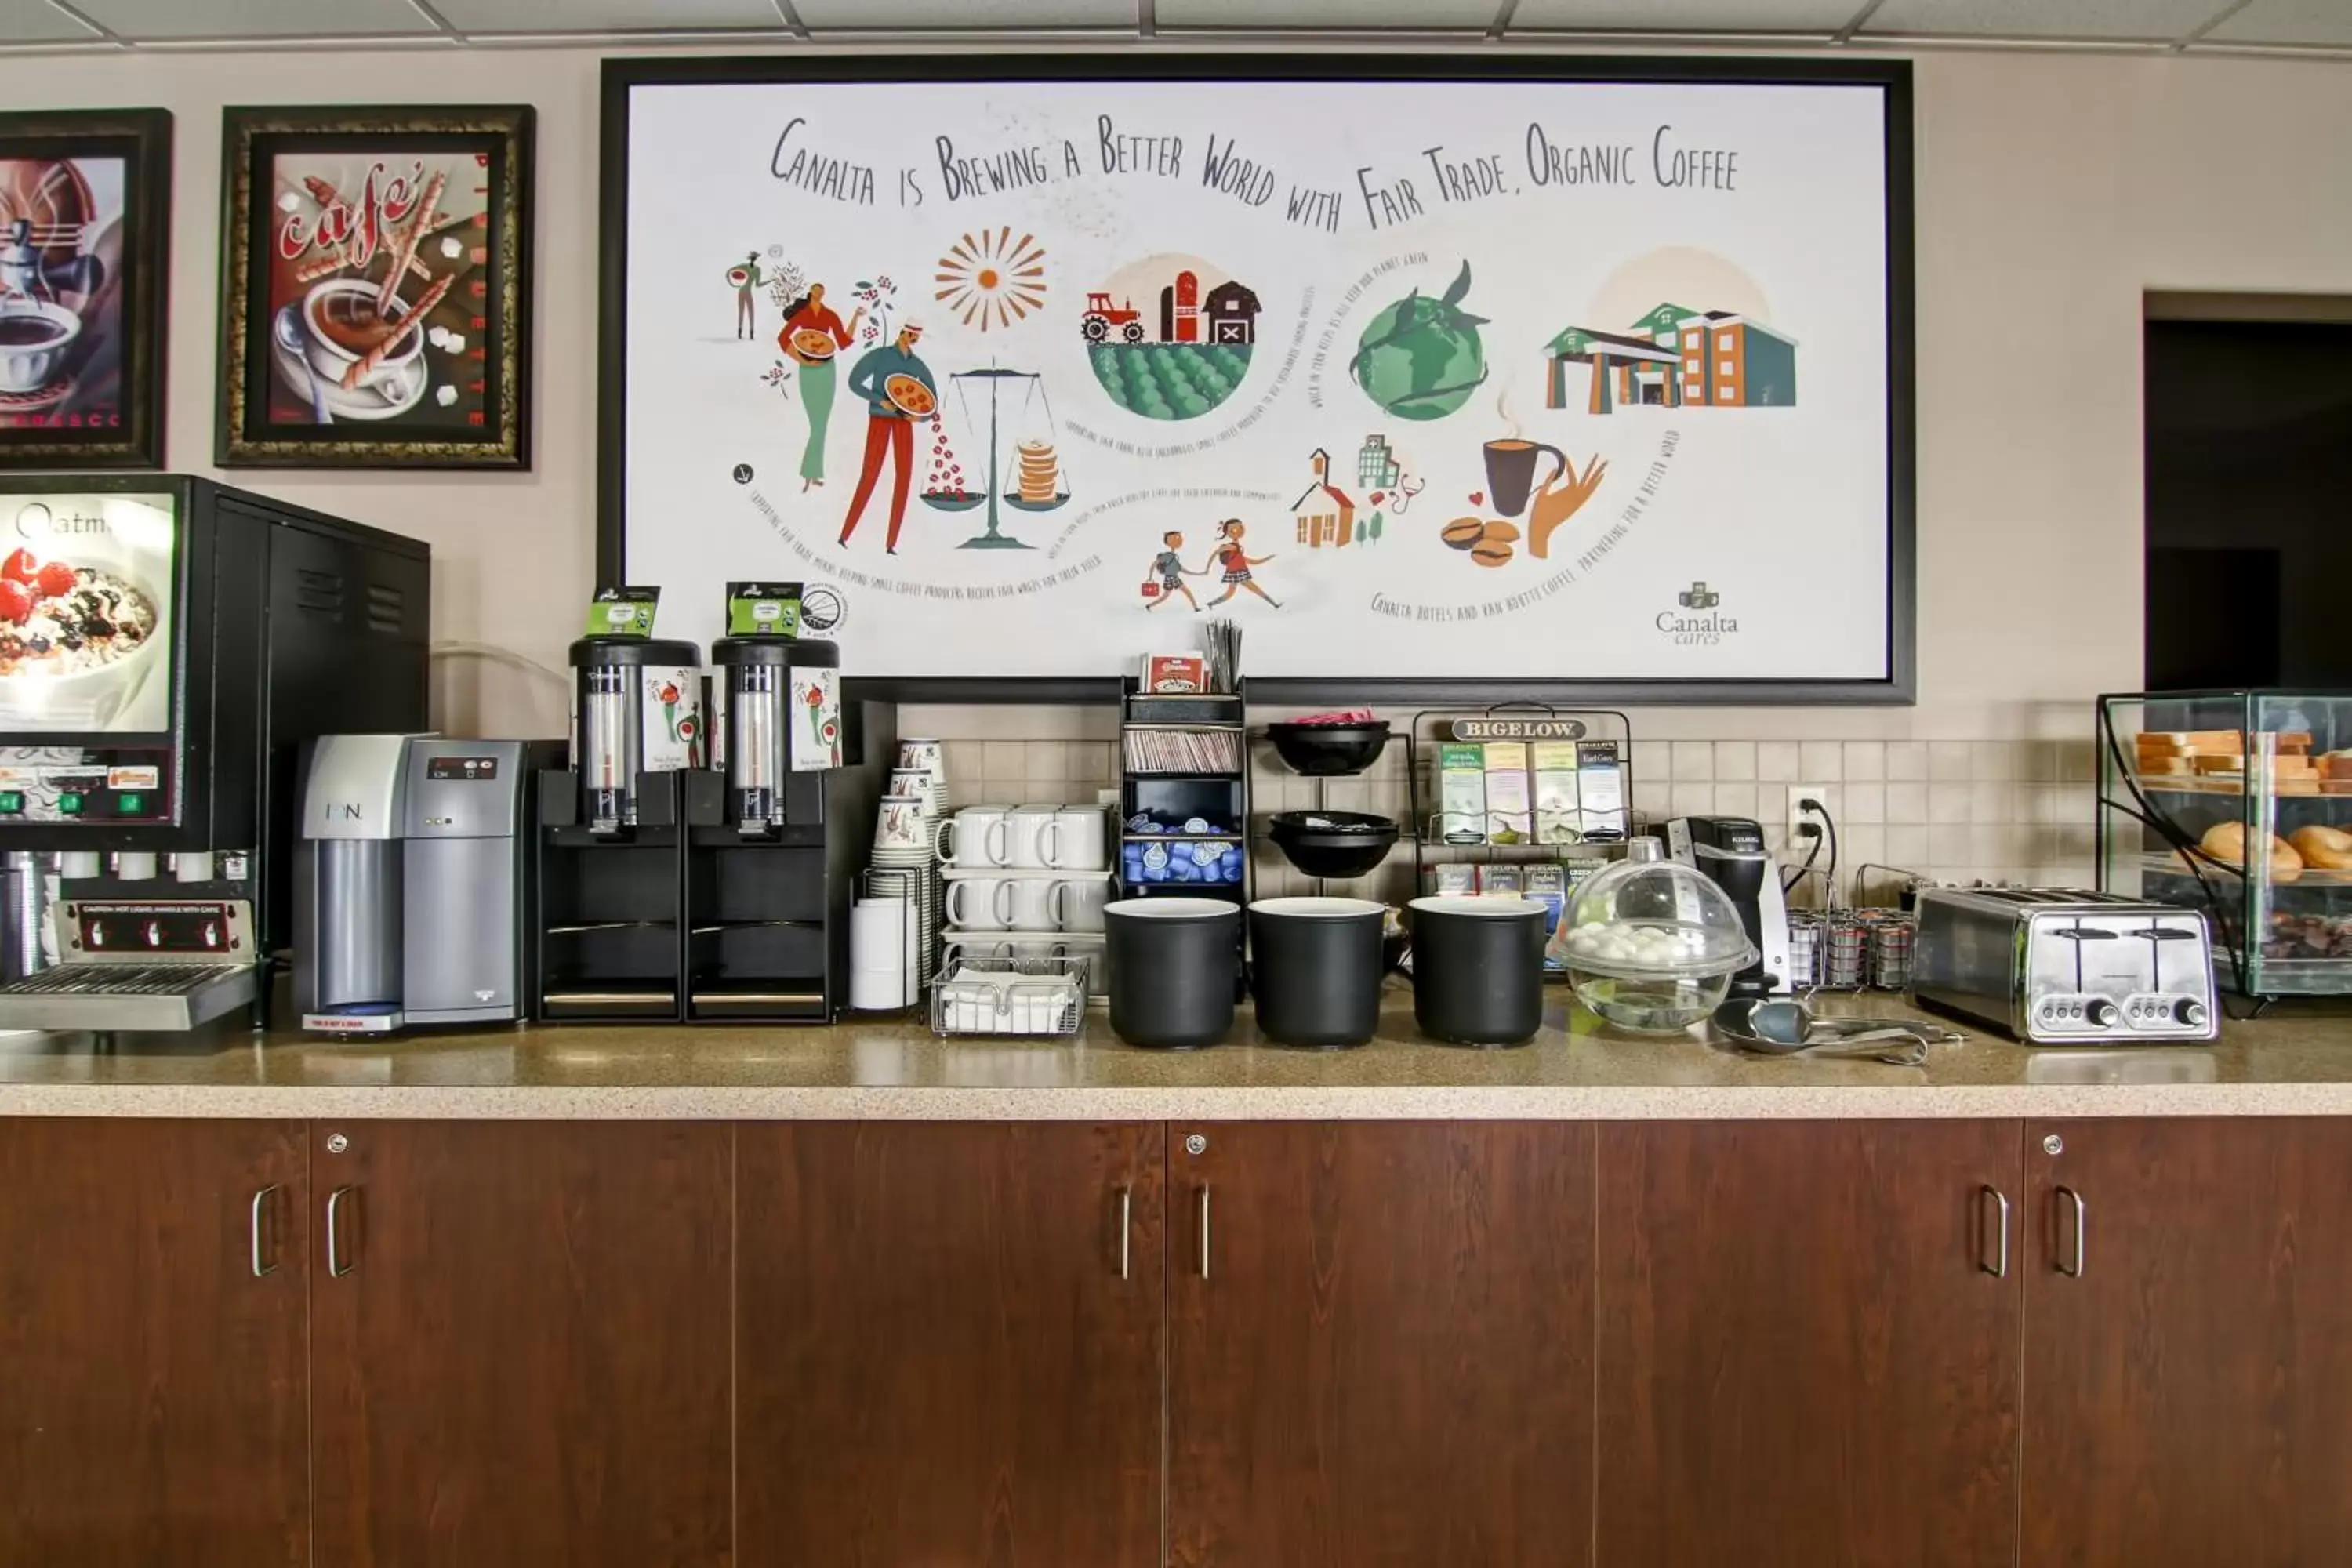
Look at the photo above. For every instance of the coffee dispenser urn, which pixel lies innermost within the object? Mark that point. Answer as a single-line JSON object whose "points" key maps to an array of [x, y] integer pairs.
{"points": [[347, 882], [638, 710], [763, 732], [464, 868]]}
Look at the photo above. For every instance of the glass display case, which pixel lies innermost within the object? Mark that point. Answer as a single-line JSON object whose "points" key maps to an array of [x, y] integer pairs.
{"points": [[2239, 803]]}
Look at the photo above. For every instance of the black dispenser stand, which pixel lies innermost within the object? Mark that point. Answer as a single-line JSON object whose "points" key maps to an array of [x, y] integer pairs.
{"points": [[608, 942]]}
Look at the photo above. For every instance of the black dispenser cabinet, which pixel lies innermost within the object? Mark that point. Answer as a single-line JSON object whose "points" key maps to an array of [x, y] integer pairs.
{"points": [[775, 838]]}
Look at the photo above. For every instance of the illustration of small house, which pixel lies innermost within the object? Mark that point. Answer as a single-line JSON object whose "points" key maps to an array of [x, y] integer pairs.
{"points": [[1326, 515], [1232, 310], [1376, 466]]}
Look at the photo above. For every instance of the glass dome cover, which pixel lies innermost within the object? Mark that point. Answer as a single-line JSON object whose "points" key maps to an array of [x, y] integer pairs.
{"points": [[1654, 919]]}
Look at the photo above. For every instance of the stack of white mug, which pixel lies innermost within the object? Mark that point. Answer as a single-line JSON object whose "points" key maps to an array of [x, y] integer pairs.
{"points": [[1025, 882]]}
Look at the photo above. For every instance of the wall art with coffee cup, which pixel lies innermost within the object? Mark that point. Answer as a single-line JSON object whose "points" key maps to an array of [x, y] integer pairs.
{"points": [[1544, 377], [85, 221], [376, 272]]}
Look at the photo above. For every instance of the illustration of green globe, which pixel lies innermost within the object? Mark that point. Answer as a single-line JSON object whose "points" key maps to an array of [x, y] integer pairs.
{"points": [[1420, 357]]}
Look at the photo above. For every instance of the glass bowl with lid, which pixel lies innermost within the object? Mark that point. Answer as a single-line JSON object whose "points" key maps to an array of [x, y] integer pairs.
{"points": [[1651, 946]]}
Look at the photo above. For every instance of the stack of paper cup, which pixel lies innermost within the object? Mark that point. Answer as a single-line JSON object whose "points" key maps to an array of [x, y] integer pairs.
{"points": [[882, 938]]}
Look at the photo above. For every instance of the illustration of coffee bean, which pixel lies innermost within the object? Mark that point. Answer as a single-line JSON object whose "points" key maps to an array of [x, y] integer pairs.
{"points": [[1464, 531], [1499, 533], [1490, 552]]}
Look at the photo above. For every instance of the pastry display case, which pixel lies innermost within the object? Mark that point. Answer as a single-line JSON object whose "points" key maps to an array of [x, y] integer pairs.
{"points": [[2238, 804]]}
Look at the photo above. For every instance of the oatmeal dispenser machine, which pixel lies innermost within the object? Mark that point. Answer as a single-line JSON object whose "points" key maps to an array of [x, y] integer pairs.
{"points": [[166, 646]]}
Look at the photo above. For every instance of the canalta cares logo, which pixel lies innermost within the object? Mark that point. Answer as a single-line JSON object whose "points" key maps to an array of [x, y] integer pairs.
{"points": [[1699, 622]]}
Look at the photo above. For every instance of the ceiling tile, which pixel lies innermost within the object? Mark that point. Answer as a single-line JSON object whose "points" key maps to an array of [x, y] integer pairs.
{"points": [[1687, 16], [39, 22], [142, 19], [1421, 16], [606, 16], [963, 14], [2159, 20], [2288, 22]]}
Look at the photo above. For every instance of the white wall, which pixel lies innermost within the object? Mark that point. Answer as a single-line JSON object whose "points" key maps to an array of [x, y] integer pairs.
{"points": [[2051, 191]]}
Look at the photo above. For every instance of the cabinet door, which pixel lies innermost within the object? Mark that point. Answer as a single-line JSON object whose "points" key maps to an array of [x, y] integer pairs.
{"points": [[1807, 1355], [520, 1338], [950, 1344], [1382, 1345], [2189, 1343], [152, 1379]]}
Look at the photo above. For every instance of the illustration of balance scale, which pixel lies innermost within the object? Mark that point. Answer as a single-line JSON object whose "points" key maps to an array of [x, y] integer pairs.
{"points": [[943, 462]]}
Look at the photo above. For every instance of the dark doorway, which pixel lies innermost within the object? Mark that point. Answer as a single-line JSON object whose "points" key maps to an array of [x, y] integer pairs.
{"points": [[2249, 477]]}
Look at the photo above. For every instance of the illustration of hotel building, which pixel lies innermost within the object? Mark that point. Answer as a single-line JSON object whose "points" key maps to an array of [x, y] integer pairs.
{"points": [[1676, 357]]}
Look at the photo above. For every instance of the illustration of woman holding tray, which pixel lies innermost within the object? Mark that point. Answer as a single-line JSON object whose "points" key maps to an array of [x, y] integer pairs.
{"points": [[1234, 562], [812, 336]]}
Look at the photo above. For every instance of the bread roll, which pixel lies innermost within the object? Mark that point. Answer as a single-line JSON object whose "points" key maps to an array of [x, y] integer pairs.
{"points": [[2329, 849], [2226, 842]]}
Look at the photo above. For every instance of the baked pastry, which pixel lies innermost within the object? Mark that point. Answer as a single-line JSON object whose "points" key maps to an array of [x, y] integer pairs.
{"points": [[2226, 842], [2329, 849]]}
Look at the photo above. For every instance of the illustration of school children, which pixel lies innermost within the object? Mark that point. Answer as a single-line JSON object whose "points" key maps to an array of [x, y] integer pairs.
{"points": [[1169, 566], [1234, 564]]}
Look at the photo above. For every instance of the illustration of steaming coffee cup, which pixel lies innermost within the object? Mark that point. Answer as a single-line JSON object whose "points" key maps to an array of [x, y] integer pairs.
{"points": [[1511, 472]]}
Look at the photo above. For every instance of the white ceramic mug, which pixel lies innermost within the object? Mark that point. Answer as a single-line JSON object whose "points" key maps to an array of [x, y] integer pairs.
{"points": [[974, 837], [1036, 904], [980, 903], [1078, 903], [904, 823], [1078, 841], [1034, 834]]}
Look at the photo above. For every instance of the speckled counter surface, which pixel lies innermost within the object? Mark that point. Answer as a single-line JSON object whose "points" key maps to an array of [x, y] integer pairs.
{"points": [[2294, 1062]]}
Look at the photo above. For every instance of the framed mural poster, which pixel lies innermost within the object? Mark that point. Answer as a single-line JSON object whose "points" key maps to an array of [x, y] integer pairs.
{"points": [[375, 268], [1546, 377], [85, 222]]}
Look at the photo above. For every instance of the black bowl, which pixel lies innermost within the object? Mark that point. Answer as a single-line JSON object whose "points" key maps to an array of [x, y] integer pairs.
{"points": [[1324, 751], [1333, 843]]}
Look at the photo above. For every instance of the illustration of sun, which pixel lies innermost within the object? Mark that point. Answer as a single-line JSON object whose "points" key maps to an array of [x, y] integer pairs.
{"points": [[994, 280]]}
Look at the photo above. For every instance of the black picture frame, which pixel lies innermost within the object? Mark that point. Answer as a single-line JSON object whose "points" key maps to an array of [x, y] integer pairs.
{"points": [[130, 432], [1892, 77], [253, 425]]}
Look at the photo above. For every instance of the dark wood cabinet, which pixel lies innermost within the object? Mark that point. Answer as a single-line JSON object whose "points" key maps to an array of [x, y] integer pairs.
{"points": [[950, 1344], [521, 1337], [1807, 1352], [2189, 1343], [1381, 1349], [152, 1375]]}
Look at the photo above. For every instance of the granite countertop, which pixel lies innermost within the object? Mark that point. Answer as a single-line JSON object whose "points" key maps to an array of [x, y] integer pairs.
{"points": [[2296, 1061]]}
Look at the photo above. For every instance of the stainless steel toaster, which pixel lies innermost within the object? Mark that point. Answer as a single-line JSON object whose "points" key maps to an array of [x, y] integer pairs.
{"points": [[2063, 967]]}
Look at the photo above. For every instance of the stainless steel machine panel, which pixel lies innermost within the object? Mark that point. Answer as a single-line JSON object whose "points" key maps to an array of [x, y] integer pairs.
{"points": [[462, 932]]}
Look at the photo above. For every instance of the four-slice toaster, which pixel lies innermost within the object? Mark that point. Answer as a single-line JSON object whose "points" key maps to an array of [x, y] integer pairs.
{"points": [[2063, 967]]}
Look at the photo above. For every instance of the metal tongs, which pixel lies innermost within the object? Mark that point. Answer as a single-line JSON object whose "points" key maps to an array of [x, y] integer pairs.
{"points": [[1779, 1027]]}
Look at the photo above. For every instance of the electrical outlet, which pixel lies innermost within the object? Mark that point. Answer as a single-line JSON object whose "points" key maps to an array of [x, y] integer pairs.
{"points": [[1796, 814]]}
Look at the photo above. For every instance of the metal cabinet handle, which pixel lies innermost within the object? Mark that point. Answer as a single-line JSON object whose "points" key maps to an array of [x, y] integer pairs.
{"points": [[2073, 1268], [257, 1226], [337, 1264], [1999, 1267], [1204, 1231], [1126, 1227]]}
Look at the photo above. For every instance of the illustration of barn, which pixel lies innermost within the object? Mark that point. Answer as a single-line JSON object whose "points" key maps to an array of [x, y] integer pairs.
{"points": [[1232, 310], [1681, 358], [1326, 515]]}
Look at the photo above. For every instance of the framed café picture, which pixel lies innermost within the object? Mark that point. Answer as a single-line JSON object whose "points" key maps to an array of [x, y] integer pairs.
{"points": [[375, 274], [85, 221]]}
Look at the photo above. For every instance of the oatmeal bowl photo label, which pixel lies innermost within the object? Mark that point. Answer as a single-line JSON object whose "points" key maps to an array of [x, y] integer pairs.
{"points": [[85, 612]]}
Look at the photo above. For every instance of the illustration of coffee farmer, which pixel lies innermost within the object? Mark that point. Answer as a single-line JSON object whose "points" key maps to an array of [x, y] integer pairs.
{"points": [[1235, 563], [808, 314], [745, 276], [1170, 568], [881, 376]]}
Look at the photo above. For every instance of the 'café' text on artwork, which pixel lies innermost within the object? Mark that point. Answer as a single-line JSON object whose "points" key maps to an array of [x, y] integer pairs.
{"points": [[353, 228], [820, 173]]}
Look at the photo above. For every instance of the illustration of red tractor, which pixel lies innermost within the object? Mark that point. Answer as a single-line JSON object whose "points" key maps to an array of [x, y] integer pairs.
{"points": [[1102, 318]]}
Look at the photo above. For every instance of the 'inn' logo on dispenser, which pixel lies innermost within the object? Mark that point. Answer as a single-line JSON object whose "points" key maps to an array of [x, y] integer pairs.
{"points": [[1698, 624], [340, 811]]}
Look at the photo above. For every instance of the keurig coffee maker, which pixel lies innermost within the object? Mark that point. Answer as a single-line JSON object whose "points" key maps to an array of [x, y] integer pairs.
{"points": [[1731, 851], [166, 644]]}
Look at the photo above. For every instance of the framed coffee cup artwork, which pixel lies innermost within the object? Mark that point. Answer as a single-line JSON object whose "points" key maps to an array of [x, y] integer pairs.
{"points": [[375, 270], [85, 222]]}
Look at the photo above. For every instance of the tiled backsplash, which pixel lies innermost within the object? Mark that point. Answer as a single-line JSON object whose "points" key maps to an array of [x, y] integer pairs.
{"points": [[1955, 810]]}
